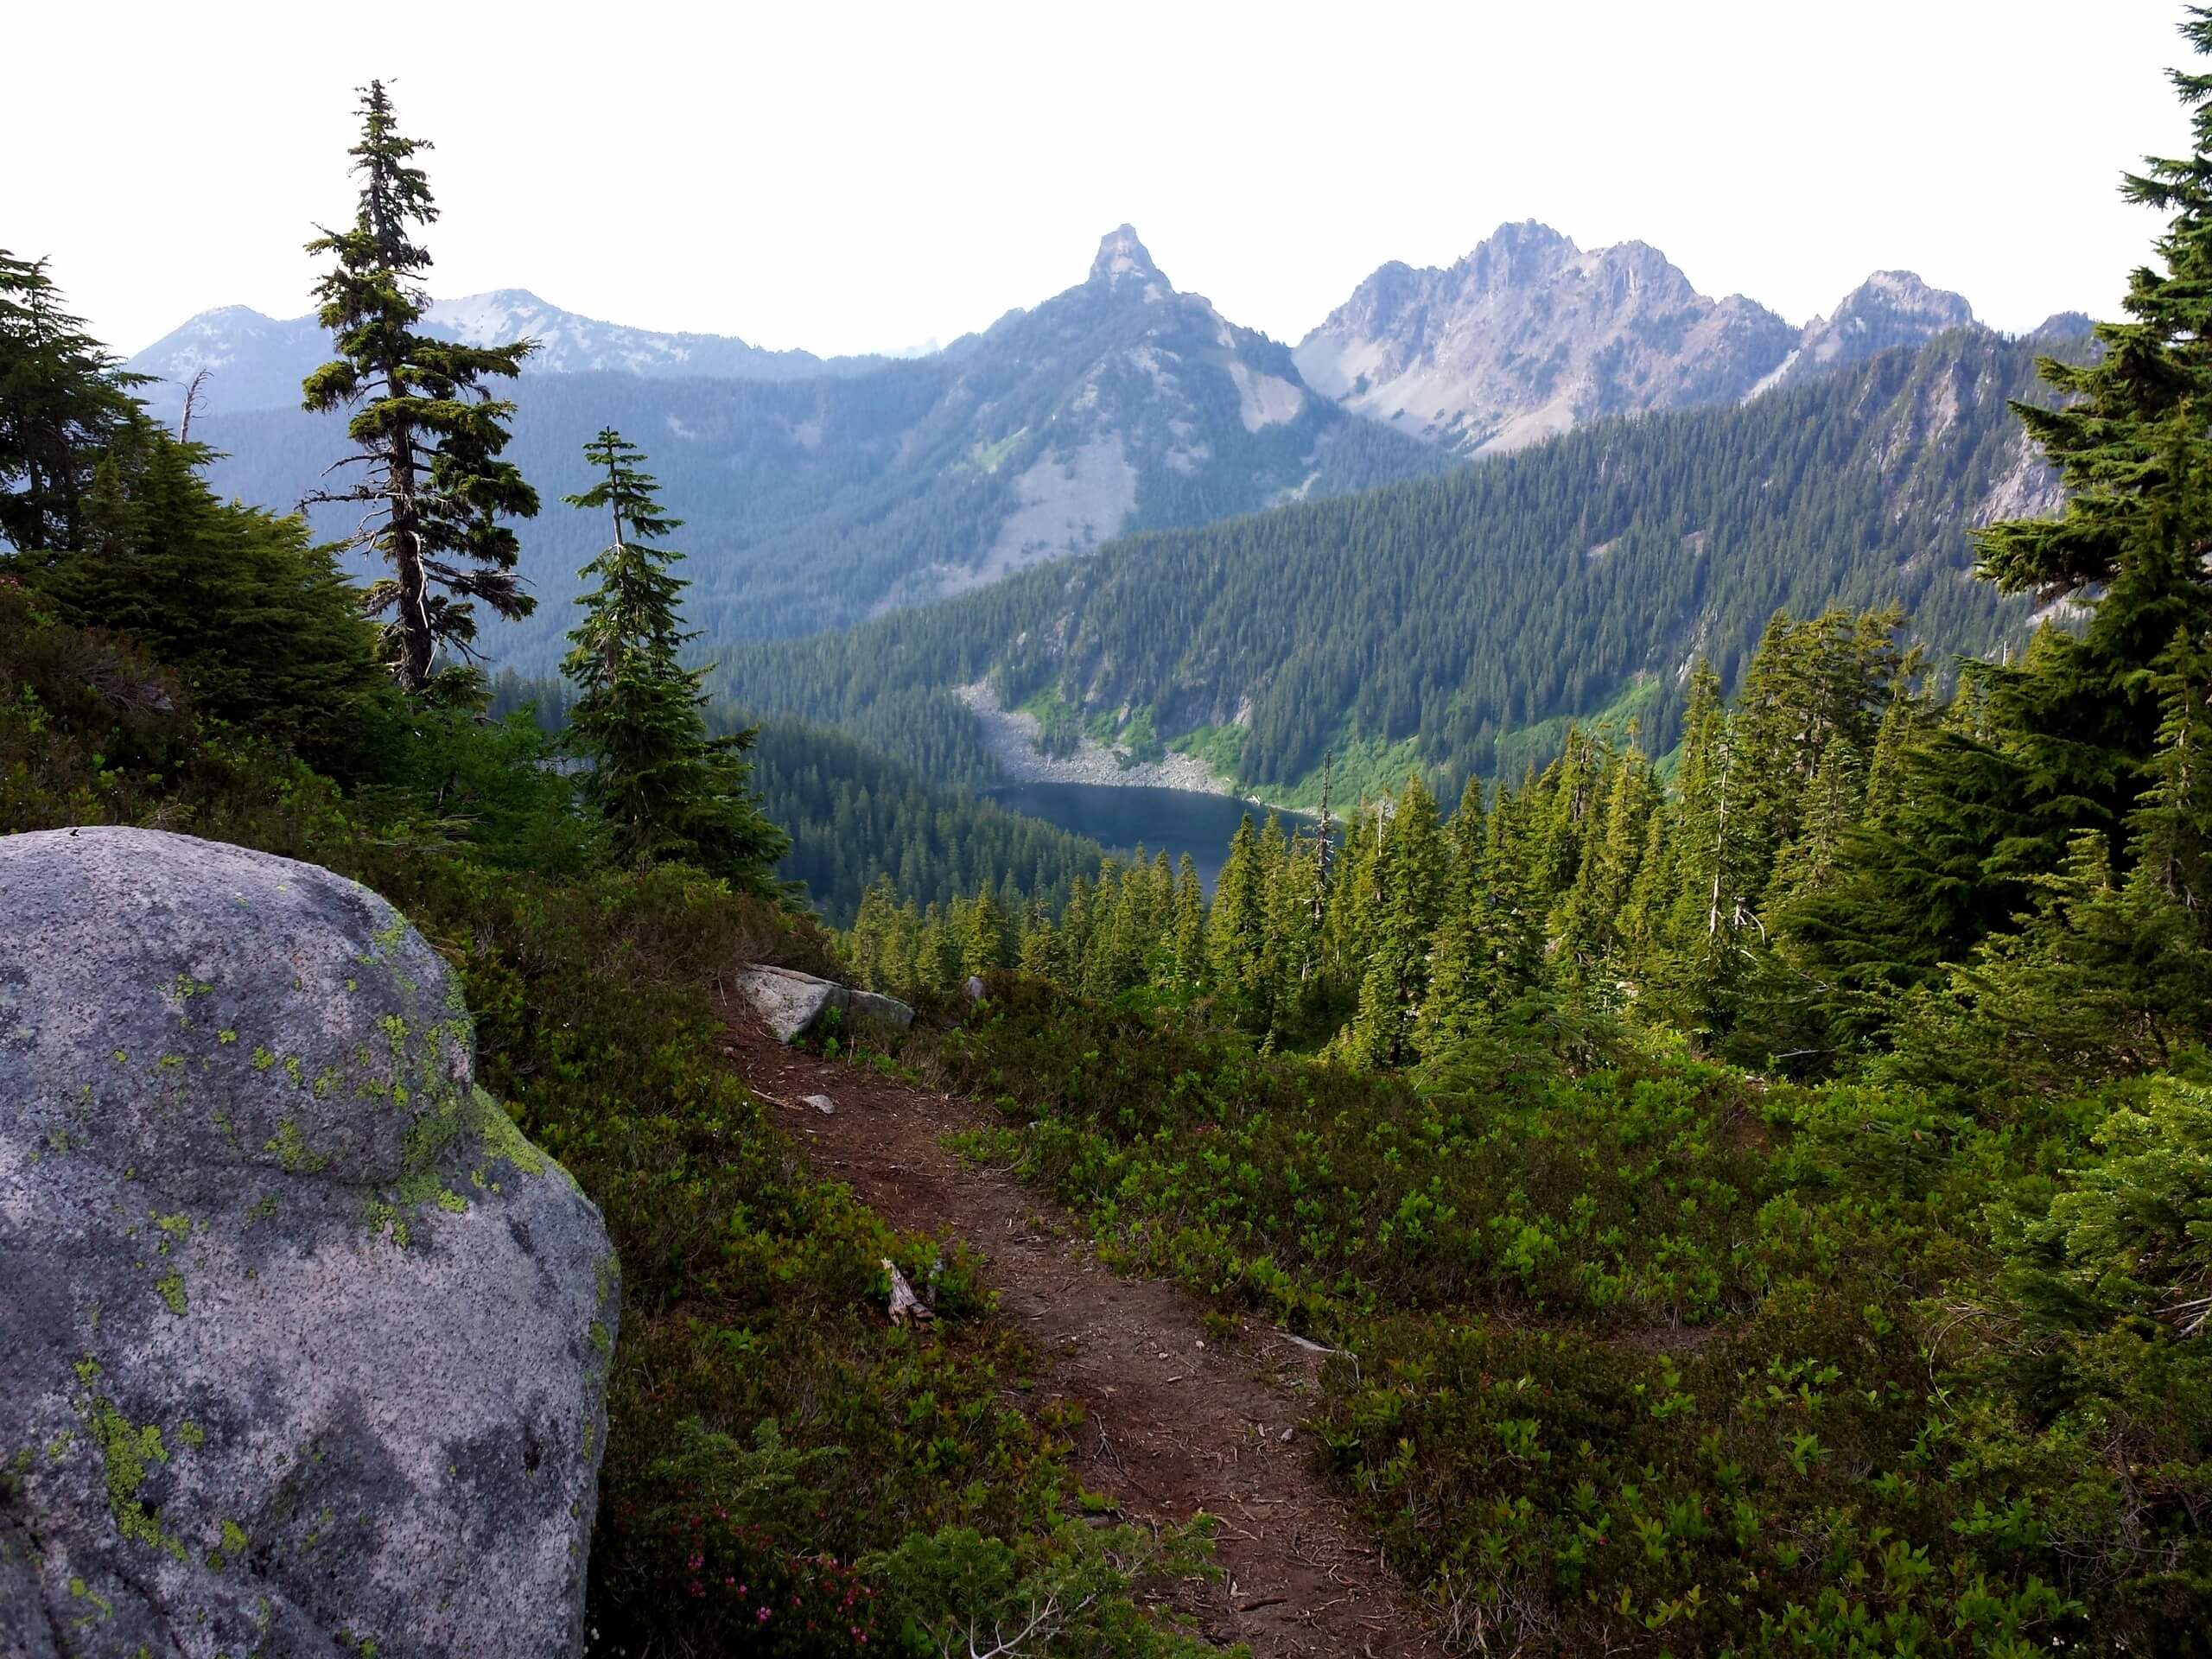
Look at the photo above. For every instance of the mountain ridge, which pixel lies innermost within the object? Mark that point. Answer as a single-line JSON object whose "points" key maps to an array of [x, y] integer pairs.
{"points": [[1117, 404], [1530, 335], [256, 361]]}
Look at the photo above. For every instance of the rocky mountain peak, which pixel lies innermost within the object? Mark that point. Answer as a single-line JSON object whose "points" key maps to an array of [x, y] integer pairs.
{"points": [[1123, 258], [1530, 334], [1891, 308], [1903, 294]]}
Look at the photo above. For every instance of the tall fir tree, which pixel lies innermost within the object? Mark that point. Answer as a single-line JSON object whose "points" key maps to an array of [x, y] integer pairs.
{"points": [[1235, 932], [1701, 955], [1189, 935], [662, 786], [267, 631], [1410, 881], [427, 434]]}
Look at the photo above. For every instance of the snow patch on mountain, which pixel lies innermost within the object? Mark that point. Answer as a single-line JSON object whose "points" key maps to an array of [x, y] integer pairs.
{"points": [[258, 362]]}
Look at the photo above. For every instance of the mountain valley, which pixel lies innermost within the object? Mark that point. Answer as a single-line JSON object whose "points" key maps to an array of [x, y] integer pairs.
{"points": [[1458, 624]]}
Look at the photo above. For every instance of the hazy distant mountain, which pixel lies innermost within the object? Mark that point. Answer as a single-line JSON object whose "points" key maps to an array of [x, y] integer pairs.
{"points": [[816, 500], [258, 362], [1530, 335]]}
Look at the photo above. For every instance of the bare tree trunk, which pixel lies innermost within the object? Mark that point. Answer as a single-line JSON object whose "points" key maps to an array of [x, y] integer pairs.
{"points": [[614, 511], [416, 645], [191, 405], [1720, 839]]}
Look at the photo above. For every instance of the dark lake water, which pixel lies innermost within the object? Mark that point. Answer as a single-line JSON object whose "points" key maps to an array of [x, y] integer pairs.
{"points": [[1178, 820]]}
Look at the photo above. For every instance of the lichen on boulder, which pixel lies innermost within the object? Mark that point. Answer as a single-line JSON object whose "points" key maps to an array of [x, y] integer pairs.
{"points": [[303, 1345]]}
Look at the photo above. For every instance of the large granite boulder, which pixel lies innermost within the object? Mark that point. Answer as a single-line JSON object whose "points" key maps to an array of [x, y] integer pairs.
{"points": [[303, 1347], [789, 1002]]}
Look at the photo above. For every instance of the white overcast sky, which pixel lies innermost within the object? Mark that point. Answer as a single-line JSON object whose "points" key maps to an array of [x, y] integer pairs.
{"points": [[860, 177]]}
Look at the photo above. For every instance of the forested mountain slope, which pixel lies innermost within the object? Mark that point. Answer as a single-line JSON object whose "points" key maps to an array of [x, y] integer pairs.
{"points": [[1469, 611], [1118, 405]]}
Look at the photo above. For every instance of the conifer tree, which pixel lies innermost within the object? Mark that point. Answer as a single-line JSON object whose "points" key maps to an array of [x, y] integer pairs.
{"points": [[1464, 835], [266, 631], [1410, 881], [982, 935], [1073, 940], [1701, 957], [2108, 433], [2128, 434], [664, 788], [427, 434], [1589, 954], [1324, 845], [1234, 931], [1905, 722], [1111, 965], [1190, 926], [869, 943], [64, 400], [1511, 908], [1035, 960], [1354, 899]]}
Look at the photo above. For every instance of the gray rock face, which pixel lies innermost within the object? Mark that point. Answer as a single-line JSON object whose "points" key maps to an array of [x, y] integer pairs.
{"points": [[791, 1001], [303, 1345], [1530, 336]]}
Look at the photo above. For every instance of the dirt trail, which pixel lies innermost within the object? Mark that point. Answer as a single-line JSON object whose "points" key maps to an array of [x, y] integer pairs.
{"points": [[1174, 1422]]}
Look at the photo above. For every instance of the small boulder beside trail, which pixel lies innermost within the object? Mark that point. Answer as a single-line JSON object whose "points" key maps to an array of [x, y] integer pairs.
{"points": [[791, 1002]]}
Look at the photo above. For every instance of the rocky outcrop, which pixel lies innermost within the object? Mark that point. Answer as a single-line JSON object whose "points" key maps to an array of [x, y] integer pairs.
{"points": [[789, 1002], [1012, 736], [303, 1345]]}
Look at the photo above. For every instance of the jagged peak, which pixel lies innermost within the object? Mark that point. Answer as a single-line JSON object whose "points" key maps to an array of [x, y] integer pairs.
{"points": [[1528, 233], [1123, 257]]}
